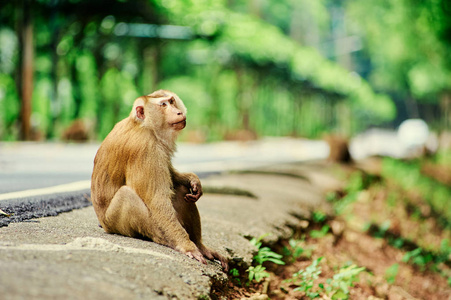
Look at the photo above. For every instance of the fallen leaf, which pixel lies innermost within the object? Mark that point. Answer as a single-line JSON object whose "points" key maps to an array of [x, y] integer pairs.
{"points": [[3, 213]]}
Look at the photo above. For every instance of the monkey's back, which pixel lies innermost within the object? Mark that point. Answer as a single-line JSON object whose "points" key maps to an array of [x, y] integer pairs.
{"points": [[127, 156], [110, 165]]}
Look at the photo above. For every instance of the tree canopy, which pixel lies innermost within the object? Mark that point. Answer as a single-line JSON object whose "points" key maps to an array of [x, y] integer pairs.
{"points": [[269, 67]]}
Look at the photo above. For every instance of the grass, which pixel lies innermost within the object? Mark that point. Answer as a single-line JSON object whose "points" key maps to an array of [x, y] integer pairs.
{"points": [[410, 178], [390, 234]]}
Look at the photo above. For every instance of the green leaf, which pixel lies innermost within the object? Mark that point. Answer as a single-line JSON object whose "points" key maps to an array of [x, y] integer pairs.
{"points": [[391, 273]]}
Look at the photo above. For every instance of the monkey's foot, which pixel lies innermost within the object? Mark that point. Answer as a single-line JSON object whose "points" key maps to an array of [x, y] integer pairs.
{"points": [[196, 255], [212, 255]]}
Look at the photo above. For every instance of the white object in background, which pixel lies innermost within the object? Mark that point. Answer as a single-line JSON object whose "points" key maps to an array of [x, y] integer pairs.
{"points": [[413, 133]]}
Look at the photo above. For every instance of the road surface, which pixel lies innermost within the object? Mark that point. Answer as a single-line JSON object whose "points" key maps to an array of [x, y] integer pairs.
{"points": [[41, 179]]}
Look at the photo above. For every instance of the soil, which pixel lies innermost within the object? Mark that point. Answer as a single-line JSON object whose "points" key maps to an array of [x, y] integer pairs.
{"points": [[376, 231]]}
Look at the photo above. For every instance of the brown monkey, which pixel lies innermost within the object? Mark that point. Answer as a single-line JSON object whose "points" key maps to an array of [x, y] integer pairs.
{"points": [[136, 191]]}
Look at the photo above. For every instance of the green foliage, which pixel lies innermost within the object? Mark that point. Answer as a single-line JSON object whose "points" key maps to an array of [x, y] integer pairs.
{"points": [[352, 189], [320, 233], [445, 247], [263, 255], [409, 176], [319, 217], [238, 71], [234, 272], [258, 273], [270, 46], [401, 54], [338, 286], [236, 276], [418, 257], [443, 157], [356, 183], [382, 229], [257, 242], [9, 106], [391, 273], [294, 250], [266, 254], [332, 197], [305, 279]]}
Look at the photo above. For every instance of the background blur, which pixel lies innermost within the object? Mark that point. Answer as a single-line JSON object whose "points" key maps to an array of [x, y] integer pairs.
{"points": [[70, 69]]}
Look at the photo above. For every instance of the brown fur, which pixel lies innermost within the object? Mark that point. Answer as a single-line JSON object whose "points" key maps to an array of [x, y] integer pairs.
{"points": [[339, 149], [136, 191], [77, 132]]}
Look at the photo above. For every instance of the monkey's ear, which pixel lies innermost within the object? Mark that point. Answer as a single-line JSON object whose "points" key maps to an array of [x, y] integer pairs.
{"points": [[139, 111]]}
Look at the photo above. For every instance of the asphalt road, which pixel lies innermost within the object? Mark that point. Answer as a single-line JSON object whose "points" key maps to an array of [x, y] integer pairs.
{"points": [[25, 166], [42, 179]]}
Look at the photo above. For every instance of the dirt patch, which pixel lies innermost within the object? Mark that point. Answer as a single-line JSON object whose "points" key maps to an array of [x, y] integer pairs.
{"points": [[381, 227], [438, 172]]}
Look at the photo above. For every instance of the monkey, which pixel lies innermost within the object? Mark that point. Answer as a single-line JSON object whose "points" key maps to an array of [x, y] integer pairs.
{"points": [[77, 132], [135, 190], [339, 149]]}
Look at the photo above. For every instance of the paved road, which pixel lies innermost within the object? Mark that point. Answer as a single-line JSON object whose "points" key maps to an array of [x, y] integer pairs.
{"points": [[25, 166], [42, 179]]}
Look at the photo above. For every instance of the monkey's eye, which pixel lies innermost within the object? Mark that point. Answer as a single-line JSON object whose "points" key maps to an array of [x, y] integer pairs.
{"points": [[164, 103], [171, 101]]}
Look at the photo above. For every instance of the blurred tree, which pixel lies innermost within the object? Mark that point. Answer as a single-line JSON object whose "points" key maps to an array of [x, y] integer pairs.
{"points": [[27, 67], [408, 43], [233, 67]]}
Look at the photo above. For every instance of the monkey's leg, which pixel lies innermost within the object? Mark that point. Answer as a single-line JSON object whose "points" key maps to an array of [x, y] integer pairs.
{"points": [[128, 215], [189, 217]]}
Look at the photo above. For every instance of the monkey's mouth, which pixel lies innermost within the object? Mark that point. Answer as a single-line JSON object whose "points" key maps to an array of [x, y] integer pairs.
{"points": [[179, 125]]}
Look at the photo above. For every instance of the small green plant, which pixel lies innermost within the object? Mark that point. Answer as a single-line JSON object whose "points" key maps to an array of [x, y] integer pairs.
{"points": [[418, 257], [257, 242], [264, 254], [234, 272], [294, 250], [408, 175], [445, 247], [320, 233], [332, 197], [391, 273], [258, 273], [305, 279], [335, 288], [235, 276], [318, 217], [382, 229], [338, 286], [355, 182]]}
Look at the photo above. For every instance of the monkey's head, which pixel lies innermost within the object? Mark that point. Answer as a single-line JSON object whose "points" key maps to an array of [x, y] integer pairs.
{"points": [[161, 110]]}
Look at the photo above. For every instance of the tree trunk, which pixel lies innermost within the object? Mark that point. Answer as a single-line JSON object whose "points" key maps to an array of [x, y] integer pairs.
{"points": [[27, 52], [445, 105]]}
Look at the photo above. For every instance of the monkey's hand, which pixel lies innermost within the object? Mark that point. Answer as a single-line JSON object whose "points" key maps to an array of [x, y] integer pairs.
{"points": [[195, 189]]}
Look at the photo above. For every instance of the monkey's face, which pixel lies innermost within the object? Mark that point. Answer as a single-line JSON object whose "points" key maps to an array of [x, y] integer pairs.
{"points": [[161, 110], [175, 118]]}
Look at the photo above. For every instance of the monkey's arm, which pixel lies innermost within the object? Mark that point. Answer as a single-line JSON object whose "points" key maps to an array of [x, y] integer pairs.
{"points": [[159, 219], [191, 181]]}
